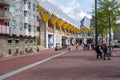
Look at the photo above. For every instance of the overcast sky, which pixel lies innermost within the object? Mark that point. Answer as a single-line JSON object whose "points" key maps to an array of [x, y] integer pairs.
{"points": [[76, 9]]}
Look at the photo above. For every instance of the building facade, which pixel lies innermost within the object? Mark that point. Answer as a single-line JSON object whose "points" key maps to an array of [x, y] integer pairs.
{"points": [[86, 33], [27, 26], [18, 26]]}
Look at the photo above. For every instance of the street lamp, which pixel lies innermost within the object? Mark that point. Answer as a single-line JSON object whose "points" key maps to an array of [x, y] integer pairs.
{"points": [[96, 26], [109, 31]]}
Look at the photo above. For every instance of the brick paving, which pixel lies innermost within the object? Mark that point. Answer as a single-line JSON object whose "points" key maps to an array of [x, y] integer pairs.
{"points": [[76, 65], [13, 63]]}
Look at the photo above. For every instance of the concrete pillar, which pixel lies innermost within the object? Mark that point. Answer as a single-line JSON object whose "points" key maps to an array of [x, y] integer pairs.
{"points": [[61, 36], [46, 35], [54, 34], [85, 38]]}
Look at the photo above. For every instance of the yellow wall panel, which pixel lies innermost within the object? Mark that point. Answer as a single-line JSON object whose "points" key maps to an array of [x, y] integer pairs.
{"points": [[46, 17], [54, 20], [65, 25], [40, 9], [60, 23]]}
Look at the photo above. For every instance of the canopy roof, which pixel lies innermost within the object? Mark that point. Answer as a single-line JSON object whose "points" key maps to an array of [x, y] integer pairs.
{"points": [[52, 9]]}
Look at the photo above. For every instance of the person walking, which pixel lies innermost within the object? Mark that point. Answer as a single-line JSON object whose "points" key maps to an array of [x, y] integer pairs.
{"points": [[77, 46], [98, 51], [105, 53], [92, 46]]}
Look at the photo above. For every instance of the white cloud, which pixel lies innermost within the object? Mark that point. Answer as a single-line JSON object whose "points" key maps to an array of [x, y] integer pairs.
{"points": [[90, 1], [72, 8], [82, 14]]}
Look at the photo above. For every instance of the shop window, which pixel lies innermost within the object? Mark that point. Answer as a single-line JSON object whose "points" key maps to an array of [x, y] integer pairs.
{"points": [[31, 43], [17, 43], [26, 42], [9, 44]]}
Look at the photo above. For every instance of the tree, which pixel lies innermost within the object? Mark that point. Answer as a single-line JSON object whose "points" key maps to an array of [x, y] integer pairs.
{"points": [[108, 12]]}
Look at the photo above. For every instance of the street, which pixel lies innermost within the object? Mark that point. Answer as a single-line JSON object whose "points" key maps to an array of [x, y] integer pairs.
{"points": [[74, 65]]}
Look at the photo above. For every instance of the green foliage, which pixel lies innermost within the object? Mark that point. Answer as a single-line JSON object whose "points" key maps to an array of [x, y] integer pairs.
{"points": [[106, 9]]}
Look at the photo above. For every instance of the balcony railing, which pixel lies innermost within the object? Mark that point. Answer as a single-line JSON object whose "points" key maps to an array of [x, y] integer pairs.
{"points": [[4, 29], [4, 14]]}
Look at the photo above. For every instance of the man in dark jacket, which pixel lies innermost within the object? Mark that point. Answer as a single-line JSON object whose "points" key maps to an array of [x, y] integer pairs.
{"points": [[98, 51], [104, 48]]}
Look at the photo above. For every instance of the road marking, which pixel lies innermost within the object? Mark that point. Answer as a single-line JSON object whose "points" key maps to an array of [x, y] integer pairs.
{"points": [[4, 76]]}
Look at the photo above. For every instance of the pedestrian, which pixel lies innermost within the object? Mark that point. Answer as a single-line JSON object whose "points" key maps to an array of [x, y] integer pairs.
{"points": [[77, 46], [105, 53], [98, 51], [92, 46]]}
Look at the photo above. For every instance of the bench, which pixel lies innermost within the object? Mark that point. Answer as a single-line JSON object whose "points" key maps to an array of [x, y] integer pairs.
{"points": [[57, 48]]}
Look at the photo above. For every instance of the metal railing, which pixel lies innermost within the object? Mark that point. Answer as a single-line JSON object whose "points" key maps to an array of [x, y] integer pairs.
{"points": [[4, 29]]}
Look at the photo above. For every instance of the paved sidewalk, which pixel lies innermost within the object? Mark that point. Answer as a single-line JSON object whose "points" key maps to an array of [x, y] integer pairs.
{"points": [[13, 63], [75, 65]]}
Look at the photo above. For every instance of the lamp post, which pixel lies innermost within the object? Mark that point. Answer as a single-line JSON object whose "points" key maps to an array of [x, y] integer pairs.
{"points": [[96, 26], [109, 21]]}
